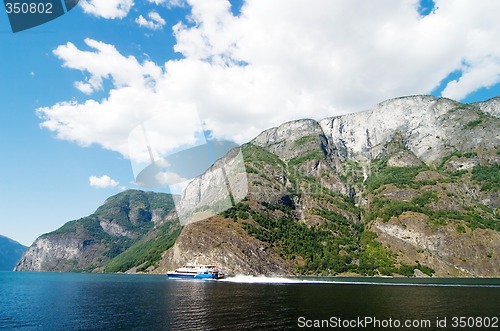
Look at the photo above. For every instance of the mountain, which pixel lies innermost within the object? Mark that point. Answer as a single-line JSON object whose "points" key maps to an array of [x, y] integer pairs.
{"points": [[10, 253], [125, 222], [408, 188]]}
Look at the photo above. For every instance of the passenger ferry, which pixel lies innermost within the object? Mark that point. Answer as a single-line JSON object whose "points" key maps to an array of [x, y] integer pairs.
{"points": [[197, 271]]}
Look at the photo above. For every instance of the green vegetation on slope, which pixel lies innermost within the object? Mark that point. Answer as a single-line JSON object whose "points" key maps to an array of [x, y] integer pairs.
{"points": [[487, 176], [478, 216], [336, 241], [147, 252], [257, 154], [318, 246], [312, 155], [332, 247], [399, 176], [131, 213]]}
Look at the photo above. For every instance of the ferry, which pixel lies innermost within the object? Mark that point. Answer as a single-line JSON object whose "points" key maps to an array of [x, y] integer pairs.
{"points": [[197, 271]]}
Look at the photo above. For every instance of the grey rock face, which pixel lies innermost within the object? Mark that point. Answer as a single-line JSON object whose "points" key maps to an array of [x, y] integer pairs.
{"points": [[221, 242], [61, 253], [430, 127], [491, 107], [292, 139], [218, 189]]}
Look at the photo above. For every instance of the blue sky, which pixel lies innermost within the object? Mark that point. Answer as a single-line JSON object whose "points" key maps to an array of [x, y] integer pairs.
{"points": [[241, 67]]}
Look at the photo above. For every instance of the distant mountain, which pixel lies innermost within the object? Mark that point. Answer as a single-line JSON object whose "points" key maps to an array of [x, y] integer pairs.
{"points": [[408, 188], [10, 253], [132, 222]]}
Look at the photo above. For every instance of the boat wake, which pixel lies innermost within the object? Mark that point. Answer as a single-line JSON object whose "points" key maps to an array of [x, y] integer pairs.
{"points": [[270, 280]]}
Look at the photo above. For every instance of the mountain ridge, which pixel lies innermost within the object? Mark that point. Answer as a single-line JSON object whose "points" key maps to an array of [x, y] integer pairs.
{"points": [[407, 188], [90, 243]]}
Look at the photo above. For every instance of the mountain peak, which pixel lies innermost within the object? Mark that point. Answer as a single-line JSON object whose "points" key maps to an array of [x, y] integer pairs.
{"points": [[431, 128]]}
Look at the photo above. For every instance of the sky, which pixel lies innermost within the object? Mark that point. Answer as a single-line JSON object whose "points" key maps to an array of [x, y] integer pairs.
{"points": [[75, 91]]}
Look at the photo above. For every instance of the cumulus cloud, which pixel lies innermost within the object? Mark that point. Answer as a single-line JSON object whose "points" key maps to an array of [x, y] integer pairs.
{"points": [[156, 21], [278, 61], [109, 9], [106, 62], [482, 73], [102, 182]]}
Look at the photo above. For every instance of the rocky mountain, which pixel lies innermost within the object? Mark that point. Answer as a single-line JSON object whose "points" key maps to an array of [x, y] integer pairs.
{"points": [[10, 253], [410, 187], [125, 222]]}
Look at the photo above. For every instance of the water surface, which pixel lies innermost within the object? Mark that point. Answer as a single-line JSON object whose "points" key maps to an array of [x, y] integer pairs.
{"points": [[65, 301]]}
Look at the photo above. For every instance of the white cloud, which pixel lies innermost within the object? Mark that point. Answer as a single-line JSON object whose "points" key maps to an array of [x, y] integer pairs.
{"points": [[105, 63], [156, 21], [109, 9], [85, 87], [484, 73], [169, 3], [102, 182], [277, 61]]}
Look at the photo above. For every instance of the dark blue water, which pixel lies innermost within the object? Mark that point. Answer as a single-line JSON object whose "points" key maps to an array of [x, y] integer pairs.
{"points": [[53, 301]]}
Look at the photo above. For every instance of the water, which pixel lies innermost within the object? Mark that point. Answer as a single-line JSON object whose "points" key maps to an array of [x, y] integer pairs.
{"points": [[64, 301]]}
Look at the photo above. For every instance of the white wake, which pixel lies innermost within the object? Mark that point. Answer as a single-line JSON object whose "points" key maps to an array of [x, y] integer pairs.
{"points": [[270, 280]]}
